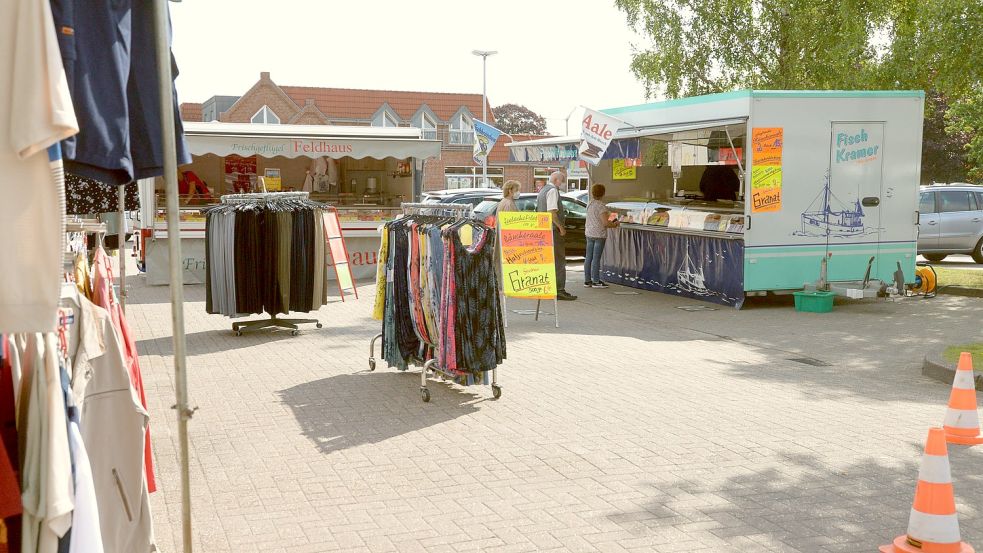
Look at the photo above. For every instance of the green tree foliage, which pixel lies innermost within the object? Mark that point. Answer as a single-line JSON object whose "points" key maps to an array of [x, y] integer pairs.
{"points": [[698, 47], [965, 119], [516, 119]]}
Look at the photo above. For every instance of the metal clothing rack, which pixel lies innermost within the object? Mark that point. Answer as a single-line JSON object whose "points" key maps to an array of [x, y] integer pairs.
{"points": [[273, 321], [431, 366]]}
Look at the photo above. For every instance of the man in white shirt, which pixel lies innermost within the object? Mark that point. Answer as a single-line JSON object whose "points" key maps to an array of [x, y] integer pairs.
{"points": [[549, 201]]}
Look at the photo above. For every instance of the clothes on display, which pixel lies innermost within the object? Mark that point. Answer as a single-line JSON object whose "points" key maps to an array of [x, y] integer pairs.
{"points": [[88, 196], [265, 254], [110, 59], [439, 284]]}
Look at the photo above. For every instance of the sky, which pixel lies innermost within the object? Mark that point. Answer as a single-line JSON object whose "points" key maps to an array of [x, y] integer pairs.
{"points": [[553, 55]]}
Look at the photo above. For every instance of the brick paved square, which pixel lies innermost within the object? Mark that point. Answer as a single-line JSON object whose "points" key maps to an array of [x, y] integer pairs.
{"points": [[633, 427]]}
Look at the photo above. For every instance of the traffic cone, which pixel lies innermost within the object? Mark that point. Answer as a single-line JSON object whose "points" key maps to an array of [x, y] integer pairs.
{"points": [[932, 526], [962, 421]]}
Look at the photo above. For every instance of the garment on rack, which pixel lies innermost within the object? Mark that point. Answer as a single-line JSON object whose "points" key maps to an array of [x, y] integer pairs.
{"points": [[109, 52], [35, 113], [266, 255], [84, 196], [113, 426], [103, 296], [440, 296]]}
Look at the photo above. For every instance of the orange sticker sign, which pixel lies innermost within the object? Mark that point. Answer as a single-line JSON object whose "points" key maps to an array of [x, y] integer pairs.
{"points": [[766, 169]]}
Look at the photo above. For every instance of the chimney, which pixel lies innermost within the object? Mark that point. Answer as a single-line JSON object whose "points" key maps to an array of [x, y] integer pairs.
{"points": [[264, 76]]}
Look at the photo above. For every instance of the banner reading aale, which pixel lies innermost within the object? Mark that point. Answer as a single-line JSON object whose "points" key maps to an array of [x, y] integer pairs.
{"points": [[527, 255]]}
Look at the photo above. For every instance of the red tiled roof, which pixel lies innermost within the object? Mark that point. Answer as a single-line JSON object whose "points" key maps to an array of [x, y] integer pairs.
{"points": [[362, 104], [190, 112]]}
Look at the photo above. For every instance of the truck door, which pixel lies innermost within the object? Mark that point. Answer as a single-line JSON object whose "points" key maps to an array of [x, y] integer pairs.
{"points": [[854, 198]]}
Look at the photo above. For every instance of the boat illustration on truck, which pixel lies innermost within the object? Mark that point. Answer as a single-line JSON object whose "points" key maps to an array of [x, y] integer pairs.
{"points": [[828, 216]]}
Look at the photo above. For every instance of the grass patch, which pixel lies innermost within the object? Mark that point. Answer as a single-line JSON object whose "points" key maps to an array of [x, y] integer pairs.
{"points": [[960, 277], [951, 353]]}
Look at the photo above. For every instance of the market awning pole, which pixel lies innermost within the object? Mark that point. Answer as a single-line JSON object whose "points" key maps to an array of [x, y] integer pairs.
{"points": [[122, 247], [174, 258]]}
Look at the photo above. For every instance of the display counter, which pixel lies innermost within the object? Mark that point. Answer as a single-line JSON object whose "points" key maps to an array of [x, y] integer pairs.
{"points": [[695, 251]]}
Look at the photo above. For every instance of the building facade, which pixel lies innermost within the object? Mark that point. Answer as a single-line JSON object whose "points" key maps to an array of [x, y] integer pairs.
{"points": [[448, 117]]}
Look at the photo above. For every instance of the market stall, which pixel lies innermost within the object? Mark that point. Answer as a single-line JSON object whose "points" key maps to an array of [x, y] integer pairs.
{"points": [[748, 192], [366, 172]]}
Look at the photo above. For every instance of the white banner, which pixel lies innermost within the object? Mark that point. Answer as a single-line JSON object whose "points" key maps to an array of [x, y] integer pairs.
{"points": [[596, 134]]}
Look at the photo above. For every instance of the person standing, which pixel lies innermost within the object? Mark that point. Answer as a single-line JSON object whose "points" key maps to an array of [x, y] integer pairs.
{"points": [[510, 191], [596, 231], [548, 200]]}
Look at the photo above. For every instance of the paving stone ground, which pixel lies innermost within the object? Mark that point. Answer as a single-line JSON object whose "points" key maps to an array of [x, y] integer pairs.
{"points": [[635, 426]]}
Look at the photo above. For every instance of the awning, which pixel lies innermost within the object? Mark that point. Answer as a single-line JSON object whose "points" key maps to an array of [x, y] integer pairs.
{"points": [[565, 148], [246, 139]]}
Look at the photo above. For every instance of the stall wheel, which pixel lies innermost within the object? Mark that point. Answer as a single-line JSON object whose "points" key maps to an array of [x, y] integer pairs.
{"points": [[425, 394], [371, 364], [496, 391]]}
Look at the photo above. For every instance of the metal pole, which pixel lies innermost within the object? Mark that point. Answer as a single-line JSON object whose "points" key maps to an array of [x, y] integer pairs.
{"points": [[122, 246], [174, 250], [484, 115]]}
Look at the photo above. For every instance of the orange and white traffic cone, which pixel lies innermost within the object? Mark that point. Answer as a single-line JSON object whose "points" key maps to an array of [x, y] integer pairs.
{"points": [[932, 526], [962, 421]]}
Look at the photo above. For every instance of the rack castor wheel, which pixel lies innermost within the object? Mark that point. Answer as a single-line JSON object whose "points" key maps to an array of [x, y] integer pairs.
{"points": [[496, 391], [319, 325], [371, 364], [238, 333], [294, 332], [425, 393]]}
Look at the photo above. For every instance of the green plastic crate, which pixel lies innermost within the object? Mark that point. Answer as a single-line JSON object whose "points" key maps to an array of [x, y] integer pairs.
{"points": [[814, 302]]}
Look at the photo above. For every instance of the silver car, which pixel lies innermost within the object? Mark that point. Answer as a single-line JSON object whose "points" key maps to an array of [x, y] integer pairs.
{"points": [[950, 221]]}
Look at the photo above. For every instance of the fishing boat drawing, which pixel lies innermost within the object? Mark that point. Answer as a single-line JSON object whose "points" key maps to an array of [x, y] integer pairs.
{"points": [[832, 217], [690, 278]]}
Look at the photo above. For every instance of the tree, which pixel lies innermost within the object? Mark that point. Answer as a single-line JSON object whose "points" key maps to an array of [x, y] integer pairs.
{"points": [[965, 120], [699, 47], [516, 119]]}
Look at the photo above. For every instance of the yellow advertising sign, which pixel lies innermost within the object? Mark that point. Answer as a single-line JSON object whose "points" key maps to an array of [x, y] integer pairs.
{"points": [[527, 255], [623, 171], [766, 169]]}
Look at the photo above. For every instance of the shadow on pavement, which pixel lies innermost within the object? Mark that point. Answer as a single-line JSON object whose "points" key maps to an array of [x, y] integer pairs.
{"points": [[345, 411], [802, 504]]}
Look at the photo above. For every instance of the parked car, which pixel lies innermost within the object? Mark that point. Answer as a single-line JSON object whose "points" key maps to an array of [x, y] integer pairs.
{"points": [[582, 196], [950, 221], [574, 213], [472, 196]]}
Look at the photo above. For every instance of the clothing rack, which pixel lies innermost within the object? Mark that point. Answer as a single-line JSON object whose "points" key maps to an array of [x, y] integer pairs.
{"points": [[431, 366], [254, 197]]}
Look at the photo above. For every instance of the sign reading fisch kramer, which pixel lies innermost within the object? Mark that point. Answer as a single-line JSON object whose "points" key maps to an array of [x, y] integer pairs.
{"points": [[527, 255]]}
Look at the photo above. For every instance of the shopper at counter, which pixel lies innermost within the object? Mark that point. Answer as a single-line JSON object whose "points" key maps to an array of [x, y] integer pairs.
{"points": [[548, 200], [596, 230]]}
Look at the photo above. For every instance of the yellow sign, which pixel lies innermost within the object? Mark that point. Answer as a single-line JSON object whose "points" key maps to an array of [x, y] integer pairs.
{"points": [[766, 169], [271, 179], [621, 171], [527, 255]]}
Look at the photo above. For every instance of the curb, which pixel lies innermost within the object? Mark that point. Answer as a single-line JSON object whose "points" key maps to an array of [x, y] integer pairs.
{"points": [[953, 290], [939, 369]]}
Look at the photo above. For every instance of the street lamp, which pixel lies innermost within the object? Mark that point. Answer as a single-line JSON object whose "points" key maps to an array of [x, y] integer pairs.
{"points": [[484, 102]]}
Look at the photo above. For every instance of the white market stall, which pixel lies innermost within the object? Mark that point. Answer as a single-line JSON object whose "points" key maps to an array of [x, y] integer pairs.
{"points": [[365, 172]]}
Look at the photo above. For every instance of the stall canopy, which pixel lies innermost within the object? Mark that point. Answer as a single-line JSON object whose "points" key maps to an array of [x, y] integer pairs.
{"points": [[292, 141], [564, 148]]}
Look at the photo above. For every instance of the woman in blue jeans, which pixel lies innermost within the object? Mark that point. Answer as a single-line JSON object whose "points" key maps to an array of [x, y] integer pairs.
{"points": [[596, 230]]}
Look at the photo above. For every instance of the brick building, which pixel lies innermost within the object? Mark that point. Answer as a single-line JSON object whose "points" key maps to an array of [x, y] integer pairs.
{"points": [[443, 116]]}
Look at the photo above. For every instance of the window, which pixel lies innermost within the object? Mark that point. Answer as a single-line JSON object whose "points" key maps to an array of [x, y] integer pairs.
{"points": [[265, 115], [927, 203], [470, 177], [462, 130], [429, 127], [384, 119], [979, 200], [526, 204], [572, 209], [956, 200]]}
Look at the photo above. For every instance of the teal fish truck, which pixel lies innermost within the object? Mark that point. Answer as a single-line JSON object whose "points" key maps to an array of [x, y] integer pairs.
{"points": [[754, 192]]}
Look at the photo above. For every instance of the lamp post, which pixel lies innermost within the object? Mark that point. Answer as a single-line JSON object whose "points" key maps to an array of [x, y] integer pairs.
{"points": [[566, 120], [484, 103]]}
